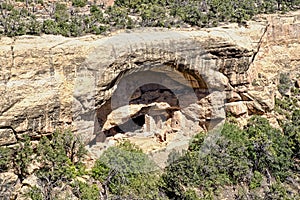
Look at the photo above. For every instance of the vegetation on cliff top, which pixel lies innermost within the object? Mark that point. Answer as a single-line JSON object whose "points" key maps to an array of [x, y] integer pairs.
{"points": [[59, 19]]}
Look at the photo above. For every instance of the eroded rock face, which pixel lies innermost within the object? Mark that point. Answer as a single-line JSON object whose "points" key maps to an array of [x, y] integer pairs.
{"points": [[189, 64], [175, 83], [278, 53], [52, 82], [8, 182], [236, 108], [7, 136]]}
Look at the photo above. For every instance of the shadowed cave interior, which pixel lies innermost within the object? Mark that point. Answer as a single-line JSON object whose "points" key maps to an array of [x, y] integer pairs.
{"points": [[153, 119]]}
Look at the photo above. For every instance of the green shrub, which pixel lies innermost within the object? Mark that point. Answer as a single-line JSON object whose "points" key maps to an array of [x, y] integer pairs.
{"points": [[86, 191], [79, 3], [94, 9], [152, 15], [226, 163], [269, 150], [23, 156], [50, 27], [127, 172], [268, 6], [76, 28], [61, 13], [129, 14], [60, 156], [14, 23], [6, 6], [64, 28], [35, 193], [284, 83], [180, 174], [5, 156], [117, 17], [191, 195], [277, 192], [285, 104], [34, 27], [292, 131], [256, 180]]}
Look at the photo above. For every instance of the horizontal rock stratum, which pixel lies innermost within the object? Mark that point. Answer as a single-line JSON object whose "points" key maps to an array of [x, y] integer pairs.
{"points": [[50, 82]]}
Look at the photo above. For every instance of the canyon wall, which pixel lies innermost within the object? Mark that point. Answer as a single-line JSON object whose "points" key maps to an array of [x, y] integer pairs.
{"points": [[52, 82], [167, 83], [155, 87]]}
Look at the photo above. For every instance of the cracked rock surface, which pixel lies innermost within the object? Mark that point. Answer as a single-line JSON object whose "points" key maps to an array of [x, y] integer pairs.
{"points": [[154, 87], [51, 82]]}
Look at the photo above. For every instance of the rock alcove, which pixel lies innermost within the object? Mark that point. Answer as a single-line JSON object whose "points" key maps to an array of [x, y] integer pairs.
{"points": [[155, 90], [157, 103]]}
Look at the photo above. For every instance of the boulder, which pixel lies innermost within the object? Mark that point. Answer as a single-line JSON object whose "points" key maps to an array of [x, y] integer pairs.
{"points": [[7, 136], [9, 183], [236, 108], [31, 181], [265, 97], [233, 96], [254, 108]]}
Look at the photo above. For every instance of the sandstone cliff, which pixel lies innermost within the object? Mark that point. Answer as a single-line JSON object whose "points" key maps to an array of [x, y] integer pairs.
{"points": [[196, 77]]}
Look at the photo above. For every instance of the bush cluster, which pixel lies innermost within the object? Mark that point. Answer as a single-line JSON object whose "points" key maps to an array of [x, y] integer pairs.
{"points": [[240, 158], [57, 159], [259, 161], [250, 159], [129, 14], [127, 173]]}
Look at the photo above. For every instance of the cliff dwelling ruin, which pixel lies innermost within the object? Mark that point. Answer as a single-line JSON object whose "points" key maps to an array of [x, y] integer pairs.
{"points": [[159, 103], [157, 95]]}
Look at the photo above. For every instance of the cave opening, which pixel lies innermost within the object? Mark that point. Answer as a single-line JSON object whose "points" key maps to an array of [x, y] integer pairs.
{"points": [[148, 94], [153, 92], [139, 121], [150, 103]]}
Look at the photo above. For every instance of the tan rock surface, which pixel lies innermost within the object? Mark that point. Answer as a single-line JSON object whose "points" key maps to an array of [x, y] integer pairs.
{"points": [[8, 181], [51, 82], [279, 48], [236, 108], [122, 115], [7, 136], [41, 76]]}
